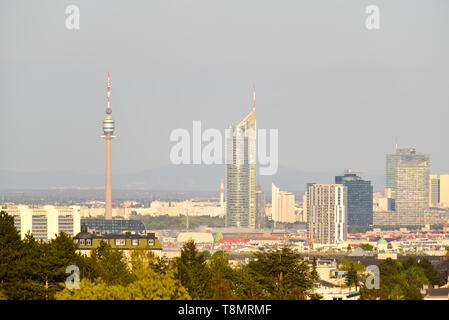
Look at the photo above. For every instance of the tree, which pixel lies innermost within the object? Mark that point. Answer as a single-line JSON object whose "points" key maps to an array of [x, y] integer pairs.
{"points": [[314, 273], [346, 264], [366, 247], [10, 253], [192, 271], [141, 259], [113, 267], [280, 274], [351, 277], [148, 286], [416, 277], [431, 273], [206, 254], [401, 285], [222, 277]]}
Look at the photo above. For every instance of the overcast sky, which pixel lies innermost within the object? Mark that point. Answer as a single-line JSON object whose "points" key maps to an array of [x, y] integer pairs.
{"points": [[337, 92]]}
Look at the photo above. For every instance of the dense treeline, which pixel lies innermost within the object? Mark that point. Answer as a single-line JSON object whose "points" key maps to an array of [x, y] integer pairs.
{"points": [[403, 281], [398, 281]]}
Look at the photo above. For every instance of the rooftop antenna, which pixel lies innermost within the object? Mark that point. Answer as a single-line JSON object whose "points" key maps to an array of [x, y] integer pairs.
{"points": [[396, 145], [108, 110], [254, 97]]}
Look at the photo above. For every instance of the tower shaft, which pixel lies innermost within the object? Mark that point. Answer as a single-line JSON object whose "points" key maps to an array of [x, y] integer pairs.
{"points": [[108, 210]]}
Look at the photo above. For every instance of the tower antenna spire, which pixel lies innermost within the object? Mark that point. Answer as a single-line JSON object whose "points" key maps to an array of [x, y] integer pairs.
{"points": [[108, 110], [254, 97], [396, 145]]}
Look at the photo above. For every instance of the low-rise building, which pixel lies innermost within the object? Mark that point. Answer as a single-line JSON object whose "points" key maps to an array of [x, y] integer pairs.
{"points": [[127, 242]]}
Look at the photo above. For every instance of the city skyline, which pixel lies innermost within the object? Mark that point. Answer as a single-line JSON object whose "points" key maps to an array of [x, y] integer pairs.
{"points": [[337, 190]]}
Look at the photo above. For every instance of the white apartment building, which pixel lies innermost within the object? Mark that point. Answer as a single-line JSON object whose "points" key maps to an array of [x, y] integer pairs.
{"points": [[45, 222], [327, 212], [283, 205]]}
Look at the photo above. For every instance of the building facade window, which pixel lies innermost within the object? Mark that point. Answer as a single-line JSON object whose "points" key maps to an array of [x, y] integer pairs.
{"points": [[120, 242]]}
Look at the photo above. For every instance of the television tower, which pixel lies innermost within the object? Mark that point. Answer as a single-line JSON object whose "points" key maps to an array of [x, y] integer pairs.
{"points": [[108, 134]]}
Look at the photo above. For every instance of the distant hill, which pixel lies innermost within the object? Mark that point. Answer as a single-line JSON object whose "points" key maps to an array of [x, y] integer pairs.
{"points": [[168, 178]]}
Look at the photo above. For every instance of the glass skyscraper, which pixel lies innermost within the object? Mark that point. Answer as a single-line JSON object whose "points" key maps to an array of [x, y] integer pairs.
{"points": [[393, 161], [260, 206], [360, 199], [241, 173]]}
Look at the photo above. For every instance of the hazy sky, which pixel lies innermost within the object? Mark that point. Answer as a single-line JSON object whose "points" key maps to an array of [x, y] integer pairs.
{"points": [[337, 92]]}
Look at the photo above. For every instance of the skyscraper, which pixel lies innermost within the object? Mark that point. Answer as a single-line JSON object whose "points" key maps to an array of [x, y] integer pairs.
{"points": [[444, 190], [439, 190], [327, 212], [360, 198], [108, 134], [241, 172], [283, 206], [412, 190], [274, 203], [434, 190], [392, 161]]}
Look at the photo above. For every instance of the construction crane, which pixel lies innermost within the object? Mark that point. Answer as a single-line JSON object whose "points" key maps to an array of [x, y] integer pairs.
{"points": [[443, 220], [311, 239]]}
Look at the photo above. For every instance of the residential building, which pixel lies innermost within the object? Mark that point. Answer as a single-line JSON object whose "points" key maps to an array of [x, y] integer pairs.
{"points": [[127, 242], [327, 212]]}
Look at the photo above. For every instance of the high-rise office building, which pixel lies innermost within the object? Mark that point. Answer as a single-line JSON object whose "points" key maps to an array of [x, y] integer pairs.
{"points": [[303, 213], [241, 172], [392, 161], [287, 207], [283, 205], [439, 190], [412, 190], [45, 222], [444, 190], [260, 206], [327, 212], [274, 203], [434, 190], [360, 198]]}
